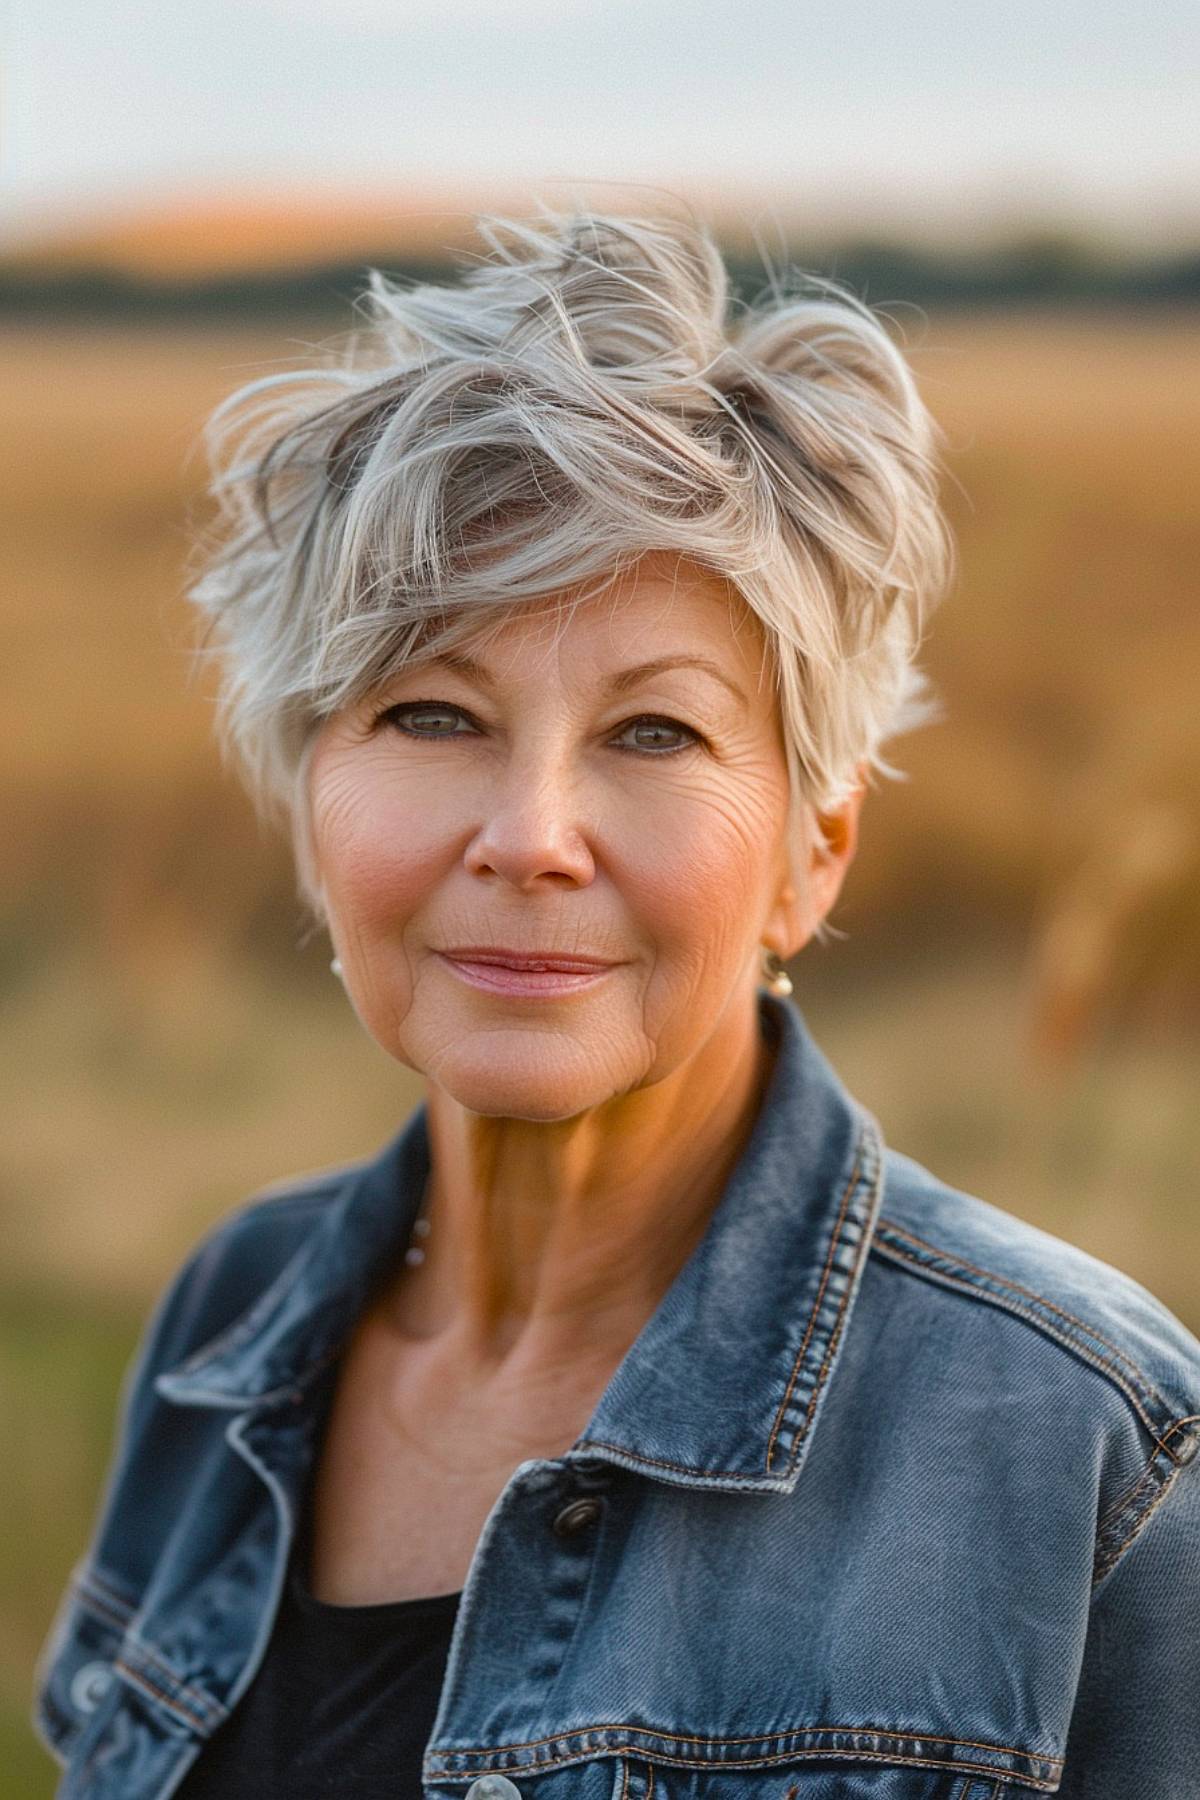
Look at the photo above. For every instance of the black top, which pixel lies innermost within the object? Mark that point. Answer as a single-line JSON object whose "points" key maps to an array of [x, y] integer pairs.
{"points": [[342, 1704]]}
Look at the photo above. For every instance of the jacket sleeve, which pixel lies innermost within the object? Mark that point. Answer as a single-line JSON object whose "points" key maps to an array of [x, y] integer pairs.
{"points": [[217, 1281], [97, 1604], [1135, 1725]]}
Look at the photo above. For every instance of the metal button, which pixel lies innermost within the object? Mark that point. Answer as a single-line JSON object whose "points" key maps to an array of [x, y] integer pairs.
{"points": [[89, 1685], [493, 1787], [576, 1515]]}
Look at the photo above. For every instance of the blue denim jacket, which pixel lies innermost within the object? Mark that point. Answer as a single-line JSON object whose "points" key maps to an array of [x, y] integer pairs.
{"points": [[896, 1497]]}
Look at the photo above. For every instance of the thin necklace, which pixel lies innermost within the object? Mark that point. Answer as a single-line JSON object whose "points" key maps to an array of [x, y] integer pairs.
{"points": [[415, 1253]]}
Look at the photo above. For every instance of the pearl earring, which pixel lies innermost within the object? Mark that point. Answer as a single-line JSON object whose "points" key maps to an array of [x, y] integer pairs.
{"points": [[775, 975], [336, 966]]}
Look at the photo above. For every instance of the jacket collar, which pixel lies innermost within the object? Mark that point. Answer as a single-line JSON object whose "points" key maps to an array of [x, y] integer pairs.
{"points": [[724, 1383]]}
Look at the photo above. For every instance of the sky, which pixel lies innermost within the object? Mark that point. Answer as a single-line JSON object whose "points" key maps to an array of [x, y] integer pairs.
{"points": [[925, 116]]}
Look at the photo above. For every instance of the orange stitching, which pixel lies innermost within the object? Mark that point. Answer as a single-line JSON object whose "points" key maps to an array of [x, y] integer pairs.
{"points": [[1023, 1312], [101, 1610], [624, 1781], [893, 1758], [812, 1317], [1188, 1419], [1113, 1557], [109, 1589], [951, 1256], [141, 1679], [165, 1671], [1126, 1498], [674, 1737], [822, 1373], [650, 1783]]}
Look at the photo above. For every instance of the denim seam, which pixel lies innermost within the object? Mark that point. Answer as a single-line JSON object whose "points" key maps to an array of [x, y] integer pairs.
{"points": [[827, 1361], [658, 1462], [140, 1679], [175, 1691], [1068, 1340], [1178, 1425], [1128, 1497], [1136, 1379], [1134, 1517], [101, 1607], [834, 1239], [892, 1757], [118, 1595], [675, 1737]]}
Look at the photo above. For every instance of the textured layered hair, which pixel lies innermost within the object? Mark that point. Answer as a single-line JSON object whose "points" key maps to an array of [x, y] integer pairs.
{"points": [[586, 391]]}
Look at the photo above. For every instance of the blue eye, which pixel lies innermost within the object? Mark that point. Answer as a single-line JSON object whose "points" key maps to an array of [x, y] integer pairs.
{"points": [[656, 724], [392, 716], [397, 715]]}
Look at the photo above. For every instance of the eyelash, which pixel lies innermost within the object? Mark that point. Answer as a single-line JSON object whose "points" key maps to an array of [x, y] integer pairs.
{"points": [[391, 715]]}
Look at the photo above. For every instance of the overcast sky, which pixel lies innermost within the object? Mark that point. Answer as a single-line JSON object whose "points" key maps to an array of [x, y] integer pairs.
{"points": [[896, 109]]}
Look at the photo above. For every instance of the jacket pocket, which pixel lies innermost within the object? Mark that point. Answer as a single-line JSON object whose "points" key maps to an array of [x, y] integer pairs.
{"points": [[824, 1780], [75, 1667]]}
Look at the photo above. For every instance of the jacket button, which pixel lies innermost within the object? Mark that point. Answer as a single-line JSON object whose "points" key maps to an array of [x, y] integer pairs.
{"points": [[89, 1685], [493, 1787], [576, 1515]]}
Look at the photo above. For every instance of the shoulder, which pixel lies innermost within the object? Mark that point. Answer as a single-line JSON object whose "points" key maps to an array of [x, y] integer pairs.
{"points": [[236, 1262], [1079, 1320]]}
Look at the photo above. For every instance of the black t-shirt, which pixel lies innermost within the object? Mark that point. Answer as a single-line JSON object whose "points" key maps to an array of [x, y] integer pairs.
{"points": [[342, 1704]]}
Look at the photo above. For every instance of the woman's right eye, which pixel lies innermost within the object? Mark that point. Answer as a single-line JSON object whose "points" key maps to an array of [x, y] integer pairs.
{"points": [[393, 715]]}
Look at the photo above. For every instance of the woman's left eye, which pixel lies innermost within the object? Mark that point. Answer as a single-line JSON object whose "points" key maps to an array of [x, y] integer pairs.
{"points": [[397, 715], [655, 724]]}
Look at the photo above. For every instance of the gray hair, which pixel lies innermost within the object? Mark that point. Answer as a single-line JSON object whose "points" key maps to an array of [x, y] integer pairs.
{"points": [[584, 393]]}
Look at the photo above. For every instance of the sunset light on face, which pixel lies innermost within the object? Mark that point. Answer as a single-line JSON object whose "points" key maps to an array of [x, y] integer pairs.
{"points": [[560, 805]]}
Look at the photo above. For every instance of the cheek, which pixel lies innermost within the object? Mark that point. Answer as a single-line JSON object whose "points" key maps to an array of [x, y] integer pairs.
{"points": [[702, 866], [373, 845]]}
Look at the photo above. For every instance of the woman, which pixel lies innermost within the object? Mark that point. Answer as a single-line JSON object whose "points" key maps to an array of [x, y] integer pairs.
{"points": [[635, 1422]]}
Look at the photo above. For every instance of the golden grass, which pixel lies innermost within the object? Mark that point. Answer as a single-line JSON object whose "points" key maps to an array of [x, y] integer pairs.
{"points": [[173, 1042], [172, 1038]]}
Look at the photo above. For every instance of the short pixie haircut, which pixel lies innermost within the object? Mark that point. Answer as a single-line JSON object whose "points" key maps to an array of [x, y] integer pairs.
{"points": [[585, 392]]}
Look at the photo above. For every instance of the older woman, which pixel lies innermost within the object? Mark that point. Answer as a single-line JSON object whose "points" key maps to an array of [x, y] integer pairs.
{"points": [[634, 1422]]}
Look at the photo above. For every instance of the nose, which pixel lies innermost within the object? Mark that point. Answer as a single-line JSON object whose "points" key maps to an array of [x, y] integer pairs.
{"points": [[534, 830]]}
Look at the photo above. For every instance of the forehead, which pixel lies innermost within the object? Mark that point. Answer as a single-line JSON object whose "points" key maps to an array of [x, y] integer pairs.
{"points": [[664, 607]]}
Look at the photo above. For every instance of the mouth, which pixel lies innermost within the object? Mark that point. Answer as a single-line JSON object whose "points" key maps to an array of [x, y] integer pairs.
{"points": [[536, 962], [537, 978]]}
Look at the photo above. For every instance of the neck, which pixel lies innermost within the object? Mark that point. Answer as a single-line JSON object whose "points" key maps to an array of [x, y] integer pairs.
{"points": [[555, 1242]]}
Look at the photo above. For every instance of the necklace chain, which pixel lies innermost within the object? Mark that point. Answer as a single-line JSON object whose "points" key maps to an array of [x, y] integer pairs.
{"points": [[415, 1254]]}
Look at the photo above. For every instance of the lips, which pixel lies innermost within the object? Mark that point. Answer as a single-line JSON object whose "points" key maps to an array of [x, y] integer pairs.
{"points": [[533, 962]]}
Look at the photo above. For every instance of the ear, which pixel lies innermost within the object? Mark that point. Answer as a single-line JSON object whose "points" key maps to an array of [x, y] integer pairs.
{"points": [[801, 906], [835, 841]]}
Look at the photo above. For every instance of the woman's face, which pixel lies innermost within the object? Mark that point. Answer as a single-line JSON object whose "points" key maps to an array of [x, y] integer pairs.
{"points": [[561, 803]]}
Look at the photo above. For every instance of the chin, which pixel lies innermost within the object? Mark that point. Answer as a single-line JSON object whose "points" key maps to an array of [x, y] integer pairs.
{"points": [[544, 1076]]}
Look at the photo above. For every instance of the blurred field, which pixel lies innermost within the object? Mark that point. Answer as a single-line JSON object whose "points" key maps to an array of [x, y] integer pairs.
{"points": [[172, 1040]]}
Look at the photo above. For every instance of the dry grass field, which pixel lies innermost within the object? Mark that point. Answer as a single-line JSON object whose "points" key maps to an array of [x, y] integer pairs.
{"points": [[1017, 998]]}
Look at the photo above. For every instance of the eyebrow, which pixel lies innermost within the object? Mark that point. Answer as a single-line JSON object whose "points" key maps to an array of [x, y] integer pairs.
{"points": [[620, 683]]}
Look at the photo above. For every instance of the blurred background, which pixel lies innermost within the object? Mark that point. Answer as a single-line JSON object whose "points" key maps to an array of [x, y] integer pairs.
{"points": [[191, 197]]}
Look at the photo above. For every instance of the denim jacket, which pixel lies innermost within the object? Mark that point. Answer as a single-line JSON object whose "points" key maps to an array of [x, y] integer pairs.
{"points": [[895, 1497]]}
